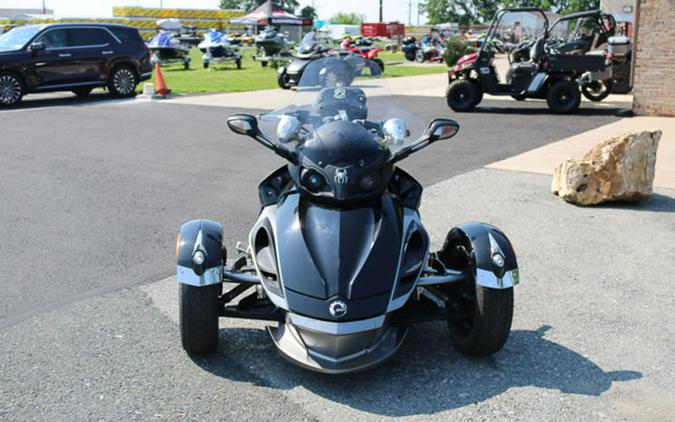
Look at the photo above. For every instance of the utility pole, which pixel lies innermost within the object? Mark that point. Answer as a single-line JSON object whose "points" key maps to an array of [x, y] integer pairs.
{"points": [[410, 12], [44, 8], [418, 12], [381, 19]]}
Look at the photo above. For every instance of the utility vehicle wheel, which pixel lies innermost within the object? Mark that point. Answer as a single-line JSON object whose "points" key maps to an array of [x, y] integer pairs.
{"points": [[621, 79], [463, 95], [563, 97], [238, 62], [82, 92], [410, 57], [186, 64], [206, 65], [597, 90], [122, 82], [380, 63], [282, 81], [11, 89], [198, 312], [263, 64]]}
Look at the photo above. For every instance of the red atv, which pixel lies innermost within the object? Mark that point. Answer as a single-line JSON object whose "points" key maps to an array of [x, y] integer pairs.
{"points": [[367, 52]]}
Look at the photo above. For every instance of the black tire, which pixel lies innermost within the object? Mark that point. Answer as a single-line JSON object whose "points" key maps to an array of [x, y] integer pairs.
{"points": [[597, 90], [410, 57], [487, 332], [419, 57], [563, 97], [489, 311], [238, 62], [380, 63], [282, 81], [186, 65], [11, 89], [263, 64], [206, 65], [463, 95], [122, 82], [198, 313], [621, 79], [82, 92]]}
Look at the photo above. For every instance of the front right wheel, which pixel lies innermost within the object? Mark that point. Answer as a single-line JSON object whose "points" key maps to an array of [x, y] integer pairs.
{"points": [[198, 313]]}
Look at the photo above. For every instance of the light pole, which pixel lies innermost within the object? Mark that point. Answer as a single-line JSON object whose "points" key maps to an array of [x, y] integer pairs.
{"points": [[381, 20], [44, 8]]}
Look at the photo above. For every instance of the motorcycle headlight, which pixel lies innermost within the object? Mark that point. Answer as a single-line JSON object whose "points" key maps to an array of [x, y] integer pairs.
{"points": [[370, 181], [312, 180]]}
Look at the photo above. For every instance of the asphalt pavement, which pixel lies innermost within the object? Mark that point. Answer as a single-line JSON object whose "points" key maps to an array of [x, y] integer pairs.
{"points": [[93, 194]]}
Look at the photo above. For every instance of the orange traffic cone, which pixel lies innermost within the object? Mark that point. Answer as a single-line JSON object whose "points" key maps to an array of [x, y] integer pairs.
{"points": [[160, 84]]}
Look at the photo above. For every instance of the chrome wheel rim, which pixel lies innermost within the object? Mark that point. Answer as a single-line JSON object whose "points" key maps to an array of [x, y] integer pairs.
{"points": [[124, 81], [10, 89]]}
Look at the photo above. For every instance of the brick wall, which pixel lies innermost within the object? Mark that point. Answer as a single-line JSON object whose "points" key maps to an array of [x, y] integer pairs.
{"points": [[654, 81]]}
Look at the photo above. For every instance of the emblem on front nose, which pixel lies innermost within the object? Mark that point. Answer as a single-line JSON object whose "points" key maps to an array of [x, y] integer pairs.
{"points": [[341, 177], [337, 308]]}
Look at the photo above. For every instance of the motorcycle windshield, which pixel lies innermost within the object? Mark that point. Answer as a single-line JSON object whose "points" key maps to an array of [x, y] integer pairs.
{"points": [[309, 41], [345, 91]]}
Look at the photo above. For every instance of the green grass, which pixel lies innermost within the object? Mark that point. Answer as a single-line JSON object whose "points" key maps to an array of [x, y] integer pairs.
{"points": [[252, 77]]}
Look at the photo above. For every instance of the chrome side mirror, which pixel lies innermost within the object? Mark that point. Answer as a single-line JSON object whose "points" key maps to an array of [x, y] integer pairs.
{"points": [[243, 124], [36, 46], [288, 128], [442, 129], [394, 131]]}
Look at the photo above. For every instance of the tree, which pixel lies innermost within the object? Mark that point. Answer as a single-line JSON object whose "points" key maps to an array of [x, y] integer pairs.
{"points": [[308, 12], [470, 11], [250, 5], [230, 4], [346, 19]]}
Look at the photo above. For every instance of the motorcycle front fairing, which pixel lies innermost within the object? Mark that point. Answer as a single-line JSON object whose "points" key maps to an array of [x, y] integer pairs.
{"points": [[338, 274]]}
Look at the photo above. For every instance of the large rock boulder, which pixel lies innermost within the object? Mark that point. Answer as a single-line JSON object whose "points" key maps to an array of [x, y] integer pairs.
{"points": [[618, 169]]}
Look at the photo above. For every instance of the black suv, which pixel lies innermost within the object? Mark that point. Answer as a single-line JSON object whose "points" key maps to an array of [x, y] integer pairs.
{"points": [[74, 57]]}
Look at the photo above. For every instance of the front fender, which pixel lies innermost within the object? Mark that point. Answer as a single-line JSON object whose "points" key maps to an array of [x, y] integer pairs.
{"points": [[203, 236], [484, 243]]}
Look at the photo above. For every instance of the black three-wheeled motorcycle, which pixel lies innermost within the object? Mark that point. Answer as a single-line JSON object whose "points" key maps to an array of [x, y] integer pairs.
{"points": [[338, 260]]}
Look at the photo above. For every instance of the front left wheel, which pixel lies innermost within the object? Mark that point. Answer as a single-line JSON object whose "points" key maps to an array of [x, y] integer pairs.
{"points": [[198, 313], [122, 82], [487, 313], [11, 89], [463, 95]]}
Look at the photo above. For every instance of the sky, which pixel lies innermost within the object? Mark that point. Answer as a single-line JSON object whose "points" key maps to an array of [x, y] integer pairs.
{"points": [[393, 9]]}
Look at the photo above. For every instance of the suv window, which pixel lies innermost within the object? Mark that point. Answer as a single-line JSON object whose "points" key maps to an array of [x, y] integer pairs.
{"points": [[55, 38], [80, 37], [127, 35]]}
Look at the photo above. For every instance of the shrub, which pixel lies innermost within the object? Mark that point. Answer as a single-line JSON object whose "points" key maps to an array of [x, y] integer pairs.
{"points": [[455, 48]]}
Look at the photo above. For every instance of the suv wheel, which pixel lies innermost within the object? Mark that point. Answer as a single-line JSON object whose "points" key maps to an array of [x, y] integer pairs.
{"points": [[122, 82], [11, 89]]}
